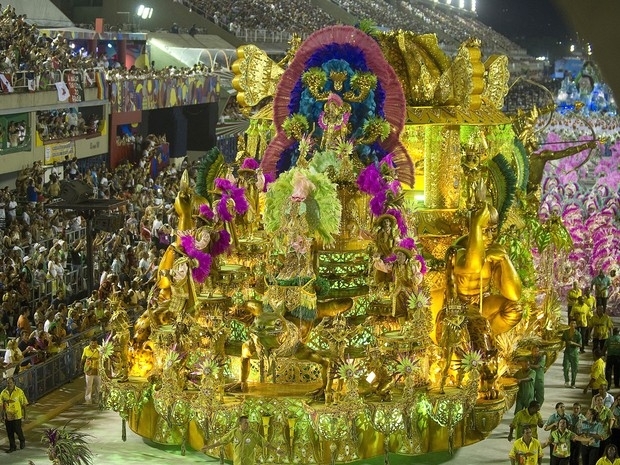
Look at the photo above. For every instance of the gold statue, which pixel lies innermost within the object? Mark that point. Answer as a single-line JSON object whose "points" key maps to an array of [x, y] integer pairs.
{"points": [[474, 263], [538, 160], [273, 334], [524, 124], [452, 332], [119, 326], [384, 244]]}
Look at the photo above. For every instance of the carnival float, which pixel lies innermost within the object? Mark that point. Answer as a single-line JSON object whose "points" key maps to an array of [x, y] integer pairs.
{"points": [[311, 289]]}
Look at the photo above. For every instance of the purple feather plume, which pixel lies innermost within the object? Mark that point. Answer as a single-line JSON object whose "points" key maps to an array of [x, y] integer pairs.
{"points": [[221, 244]]}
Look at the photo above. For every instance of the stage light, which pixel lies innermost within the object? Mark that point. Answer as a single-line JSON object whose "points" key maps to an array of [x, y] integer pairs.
{"points": [[144, 12], [473, 5]]}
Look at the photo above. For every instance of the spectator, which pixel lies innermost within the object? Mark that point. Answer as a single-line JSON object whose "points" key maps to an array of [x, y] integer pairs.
{"points": [[23, 323], [12, 358]]}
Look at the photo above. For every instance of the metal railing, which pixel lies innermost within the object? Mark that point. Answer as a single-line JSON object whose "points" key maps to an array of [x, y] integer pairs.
{"points": [[265, 35], [41, 379], [47, 79]]}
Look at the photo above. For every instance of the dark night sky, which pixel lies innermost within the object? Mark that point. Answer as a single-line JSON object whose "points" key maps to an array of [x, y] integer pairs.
{"points": [[534, 24]]}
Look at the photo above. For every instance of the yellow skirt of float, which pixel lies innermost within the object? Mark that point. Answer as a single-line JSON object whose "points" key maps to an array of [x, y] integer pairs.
{"points": [[312, 433]]}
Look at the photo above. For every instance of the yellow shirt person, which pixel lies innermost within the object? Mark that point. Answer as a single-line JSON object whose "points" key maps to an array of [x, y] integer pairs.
{"points": [[13, 411], [526, 450], [580, 313], [597, 372]]}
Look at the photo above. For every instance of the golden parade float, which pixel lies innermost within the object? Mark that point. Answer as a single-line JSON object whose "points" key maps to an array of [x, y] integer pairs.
{"points": [[311, 289]]}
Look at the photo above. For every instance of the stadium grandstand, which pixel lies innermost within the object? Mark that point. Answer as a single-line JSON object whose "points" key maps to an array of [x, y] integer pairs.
{"points": [[270, 24]]}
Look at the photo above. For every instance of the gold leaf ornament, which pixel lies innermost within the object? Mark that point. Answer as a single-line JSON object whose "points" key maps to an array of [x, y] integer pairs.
{"points": [[256, 75], [496, 77], [468, 75]]}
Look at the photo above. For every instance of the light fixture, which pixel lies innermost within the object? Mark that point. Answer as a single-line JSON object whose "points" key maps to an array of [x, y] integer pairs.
{"points": [[144, 12]]}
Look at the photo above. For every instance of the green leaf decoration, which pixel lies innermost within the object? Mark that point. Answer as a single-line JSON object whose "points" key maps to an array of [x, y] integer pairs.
{"points": [[211, 167], [68, 447], [369, 27]]}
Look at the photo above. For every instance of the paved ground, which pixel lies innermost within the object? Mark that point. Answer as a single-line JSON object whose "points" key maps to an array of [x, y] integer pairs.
{"points": [[66, 404]]}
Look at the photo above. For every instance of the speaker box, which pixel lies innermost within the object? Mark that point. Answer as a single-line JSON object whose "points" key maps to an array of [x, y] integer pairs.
{"points": [[108, 222], [75, 191]]}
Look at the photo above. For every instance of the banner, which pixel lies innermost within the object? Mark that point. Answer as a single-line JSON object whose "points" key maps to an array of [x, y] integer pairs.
{"points": [[58, 152], [6, 85], [73, 79], [63, 91], [150, 94], [15, 134], [101, 84]]}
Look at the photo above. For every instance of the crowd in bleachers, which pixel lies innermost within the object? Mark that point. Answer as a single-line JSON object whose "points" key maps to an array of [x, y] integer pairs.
{"points": [[451, 27], [30, 59], [277, 15], [65, 123], [529, 92], [43, 267]]}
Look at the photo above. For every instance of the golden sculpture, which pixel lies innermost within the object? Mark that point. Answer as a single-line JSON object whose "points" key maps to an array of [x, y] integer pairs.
{"points": [[539, 159], [475, 263]]}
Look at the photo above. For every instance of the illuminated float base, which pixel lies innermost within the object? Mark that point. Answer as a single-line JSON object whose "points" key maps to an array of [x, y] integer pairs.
{"points": [[311, 433]]}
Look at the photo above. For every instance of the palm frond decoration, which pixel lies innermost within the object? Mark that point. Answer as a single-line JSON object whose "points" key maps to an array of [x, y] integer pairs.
{"points": [[369, 27], [67, 447], [208, 367], [346, 369], [472, 360], [420, 300], [503, 185], [406, 365], [107, 348], [172, 357], [522, 163], [212, 166]]}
